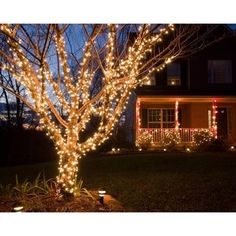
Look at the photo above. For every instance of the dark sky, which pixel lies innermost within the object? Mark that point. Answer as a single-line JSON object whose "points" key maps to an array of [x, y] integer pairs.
{"points": [[232, 26]]}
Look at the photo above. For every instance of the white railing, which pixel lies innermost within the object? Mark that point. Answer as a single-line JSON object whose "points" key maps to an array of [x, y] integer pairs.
{"points": [[157, 134]]}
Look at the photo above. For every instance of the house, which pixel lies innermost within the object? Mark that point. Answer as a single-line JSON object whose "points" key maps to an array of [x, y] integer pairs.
{"points": [[190, 94]]}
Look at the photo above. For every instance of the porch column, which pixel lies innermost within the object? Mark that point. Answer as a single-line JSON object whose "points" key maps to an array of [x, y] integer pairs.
{"points": [[176, 115], [214, 123], [138, 120]]}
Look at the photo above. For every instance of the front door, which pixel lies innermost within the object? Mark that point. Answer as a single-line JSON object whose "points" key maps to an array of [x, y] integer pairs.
{"points": [[222, 124]]}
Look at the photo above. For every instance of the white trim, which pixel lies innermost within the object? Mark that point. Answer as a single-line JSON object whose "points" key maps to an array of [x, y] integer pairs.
{"points": [[187, 99], [161, 117]]}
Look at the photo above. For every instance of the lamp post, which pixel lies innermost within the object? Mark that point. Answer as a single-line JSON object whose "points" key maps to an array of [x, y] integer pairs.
{"points": [[101, 194], [18, 208]]}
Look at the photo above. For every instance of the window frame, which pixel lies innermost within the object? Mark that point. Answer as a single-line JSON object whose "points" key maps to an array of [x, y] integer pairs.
{"points": [[173, 77], [163, 124]]}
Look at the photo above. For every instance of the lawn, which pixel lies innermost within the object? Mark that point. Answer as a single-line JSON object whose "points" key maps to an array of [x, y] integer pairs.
{"points": [[155, 182]]}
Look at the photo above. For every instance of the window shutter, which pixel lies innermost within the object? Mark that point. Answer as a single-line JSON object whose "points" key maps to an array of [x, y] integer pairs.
{"points": [[144, 118]]}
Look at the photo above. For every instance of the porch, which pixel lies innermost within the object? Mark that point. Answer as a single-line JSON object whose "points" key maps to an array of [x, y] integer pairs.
{"points": [[158, 115], [186, 134]]}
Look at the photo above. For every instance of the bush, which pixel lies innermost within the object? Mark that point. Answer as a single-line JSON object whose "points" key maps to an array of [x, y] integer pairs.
{"points": [[170, 139], [202, 137], [144, 140], [204, 141]]}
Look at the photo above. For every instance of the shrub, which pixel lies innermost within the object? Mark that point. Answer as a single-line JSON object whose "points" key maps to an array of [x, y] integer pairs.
{"points": [[202, 137], [170, 138], [144, 140]]}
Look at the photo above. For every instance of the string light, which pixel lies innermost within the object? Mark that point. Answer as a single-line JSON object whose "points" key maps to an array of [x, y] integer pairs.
{"points": [[214, 123], [144, 140], [138, 119], [202, 136], [170, 137], [119, 78], [176, 115]]}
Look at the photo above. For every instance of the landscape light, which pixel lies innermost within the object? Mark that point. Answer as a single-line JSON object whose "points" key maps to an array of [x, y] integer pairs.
{"points": [[18, 208], [232, 148], [101, 194], [187, 149]]}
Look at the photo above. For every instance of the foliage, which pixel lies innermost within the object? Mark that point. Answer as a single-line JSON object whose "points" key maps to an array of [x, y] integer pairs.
{"points": [[144, 140], [81, 190], [202, 137], [32, 195], [39, 186], [170, 138]]}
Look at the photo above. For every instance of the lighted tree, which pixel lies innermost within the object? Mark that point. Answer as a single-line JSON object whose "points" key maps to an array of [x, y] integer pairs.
{"points": [[71, 78]]}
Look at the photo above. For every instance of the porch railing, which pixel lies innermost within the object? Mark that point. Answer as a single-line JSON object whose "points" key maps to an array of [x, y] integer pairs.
{"points": [[158, 134]]}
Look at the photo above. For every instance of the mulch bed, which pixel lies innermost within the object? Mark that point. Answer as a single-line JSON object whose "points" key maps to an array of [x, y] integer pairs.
{"points": [[44, 203]]}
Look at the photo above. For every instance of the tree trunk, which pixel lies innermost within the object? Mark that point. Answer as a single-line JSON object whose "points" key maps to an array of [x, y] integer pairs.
{"points": [[68, 171]]}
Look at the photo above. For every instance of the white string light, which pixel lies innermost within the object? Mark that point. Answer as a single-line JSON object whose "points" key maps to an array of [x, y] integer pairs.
{"points": [[119, 78]]}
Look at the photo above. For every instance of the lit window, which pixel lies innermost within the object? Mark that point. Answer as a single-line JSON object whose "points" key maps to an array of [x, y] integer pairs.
{"points": [[173, 74], [154, 118], [173, 81], [161, 118], [219, 71]]}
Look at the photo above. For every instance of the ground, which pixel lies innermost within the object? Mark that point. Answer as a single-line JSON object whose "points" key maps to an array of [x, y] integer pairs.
{"points": [[51, 204], [153, 182]]}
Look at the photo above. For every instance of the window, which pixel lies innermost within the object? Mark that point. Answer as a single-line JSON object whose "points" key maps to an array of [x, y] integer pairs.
{"points": [[219, 71], [173, 74], [168, 116], [161, 118], [154, 118]]}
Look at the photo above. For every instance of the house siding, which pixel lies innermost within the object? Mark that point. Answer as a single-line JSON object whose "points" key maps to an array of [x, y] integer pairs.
{"points": [[198, 115], [225, 50], [185, 114]]}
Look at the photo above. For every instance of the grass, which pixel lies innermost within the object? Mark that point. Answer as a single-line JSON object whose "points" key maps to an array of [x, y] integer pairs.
{"points": [[155, 181], [30, 172], [166, 181]]}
